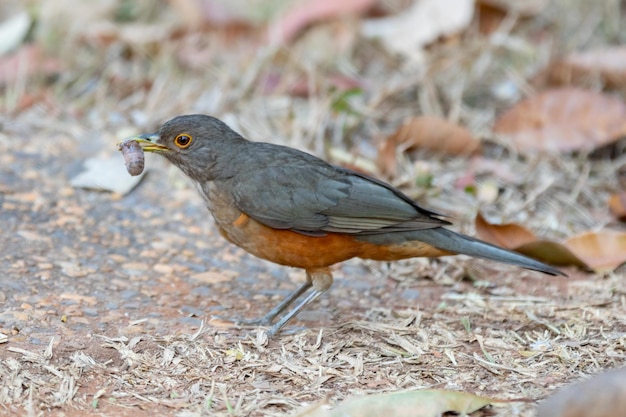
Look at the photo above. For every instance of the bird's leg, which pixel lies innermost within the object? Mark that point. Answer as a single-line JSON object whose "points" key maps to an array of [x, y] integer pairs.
{"points": [[319, 280], [267, 319]]}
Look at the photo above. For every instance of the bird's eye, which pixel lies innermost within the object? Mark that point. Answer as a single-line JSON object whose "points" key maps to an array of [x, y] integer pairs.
{"points": [[183, 140]]}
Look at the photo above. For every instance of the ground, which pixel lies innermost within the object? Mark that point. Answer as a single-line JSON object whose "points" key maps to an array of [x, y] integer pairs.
{"points": [[108, 302]]}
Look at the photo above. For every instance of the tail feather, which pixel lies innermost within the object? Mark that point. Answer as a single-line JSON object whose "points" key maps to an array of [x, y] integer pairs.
{"points": [[448, 240]]}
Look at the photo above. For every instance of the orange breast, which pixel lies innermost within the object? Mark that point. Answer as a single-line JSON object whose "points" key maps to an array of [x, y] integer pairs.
{"points": [[290, 248], [309, 252]]}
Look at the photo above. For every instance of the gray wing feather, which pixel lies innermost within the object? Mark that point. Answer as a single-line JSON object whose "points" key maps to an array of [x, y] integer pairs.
{"points": [[315, 198]]}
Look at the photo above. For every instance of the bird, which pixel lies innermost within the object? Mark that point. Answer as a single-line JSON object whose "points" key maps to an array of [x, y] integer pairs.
{"points": [[297, 210]]}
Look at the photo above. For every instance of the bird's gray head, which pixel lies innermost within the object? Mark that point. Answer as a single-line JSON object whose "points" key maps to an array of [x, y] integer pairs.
{"points": [[201, 146]]}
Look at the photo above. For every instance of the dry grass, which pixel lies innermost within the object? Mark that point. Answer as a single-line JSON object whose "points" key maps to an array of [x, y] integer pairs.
{"points": [[101, 310]]}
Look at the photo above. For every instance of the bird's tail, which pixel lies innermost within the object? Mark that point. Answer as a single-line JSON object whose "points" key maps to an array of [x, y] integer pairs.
{"points": [[448, 240]]}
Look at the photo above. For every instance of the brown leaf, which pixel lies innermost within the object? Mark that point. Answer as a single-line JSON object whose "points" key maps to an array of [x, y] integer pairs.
{"points": [[567, 119], [509, 236], [601, 396], [603, 251], [607, 65], [528, 8], [489, 18], [427, 133], [617, 204], [491, 13], [302, 14], [552, 253], [515, 237]]}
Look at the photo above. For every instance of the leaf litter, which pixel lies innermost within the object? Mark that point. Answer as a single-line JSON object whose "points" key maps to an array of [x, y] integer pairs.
{"points": [[132, 334], [602, 250]]}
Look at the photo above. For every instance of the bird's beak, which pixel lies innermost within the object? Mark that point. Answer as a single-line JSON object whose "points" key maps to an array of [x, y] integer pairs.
{"points": [[148, 142]]}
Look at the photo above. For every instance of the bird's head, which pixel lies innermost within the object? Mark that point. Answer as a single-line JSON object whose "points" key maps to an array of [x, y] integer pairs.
{"points": [[199, 145]]}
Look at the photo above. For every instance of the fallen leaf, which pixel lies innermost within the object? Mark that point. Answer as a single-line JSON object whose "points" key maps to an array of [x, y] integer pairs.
{"points": [[303, 13], [617, 204], [489, 18], [424, 403], [528, 8], [567, 119], [509, 236], [519, 239], [491, 13], [603, 250], [408, 32], [603, 395], [552, 253], [13, 30], [426, 133], [607, 65], [106, 174]]}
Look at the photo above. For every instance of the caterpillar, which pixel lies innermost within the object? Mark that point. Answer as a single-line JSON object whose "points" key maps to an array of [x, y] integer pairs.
{"points": [[133, 156]]}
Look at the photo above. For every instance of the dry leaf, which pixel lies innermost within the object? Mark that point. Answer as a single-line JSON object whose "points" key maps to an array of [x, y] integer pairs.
{"points": [[426, 133], [491, 13], [288, 26], [13, 30], [527, 8], [489, 18], [599, 251], [607, 65], [518, 238], [603, 251], [408, 32], [617, 204], [552, 253], [106, 174], [509, 236], [567, 119], [425, 403], [603, 395]]}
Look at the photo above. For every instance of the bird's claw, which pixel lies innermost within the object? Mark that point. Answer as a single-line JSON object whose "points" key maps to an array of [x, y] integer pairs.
{"points": [[240, 321]]}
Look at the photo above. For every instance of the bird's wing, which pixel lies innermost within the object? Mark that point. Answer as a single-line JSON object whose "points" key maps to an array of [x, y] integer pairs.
{"points": [[315, 198]]}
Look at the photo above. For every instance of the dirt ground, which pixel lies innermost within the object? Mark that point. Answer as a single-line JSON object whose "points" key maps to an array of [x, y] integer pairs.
{"points": [[108, 302]]}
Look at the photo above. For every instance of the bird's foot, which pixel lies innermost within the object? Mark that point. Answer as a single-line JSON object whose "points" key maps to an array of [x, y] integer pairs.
{"points": [[268, 319], [240, 321]]}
